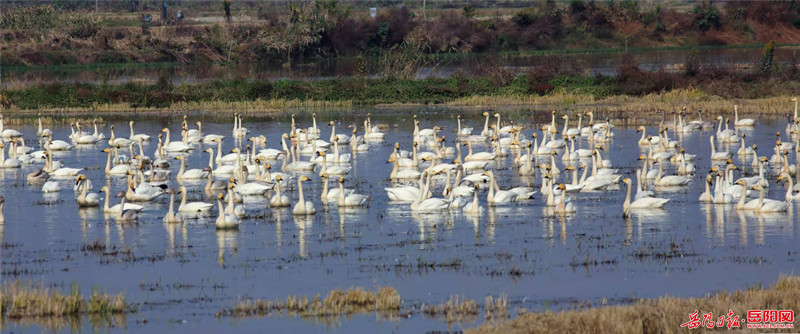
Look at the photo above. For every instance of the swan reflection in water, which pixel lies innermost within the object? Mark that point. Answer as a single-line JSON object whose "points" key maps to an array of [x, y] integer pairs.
{"points": [[227, 241], [304, 223]]}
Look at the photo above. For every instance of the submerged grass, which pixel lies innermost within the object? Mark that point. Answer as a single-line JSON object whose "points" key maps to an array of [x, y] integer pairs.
{"points": [[661, 315], [27, 299]]}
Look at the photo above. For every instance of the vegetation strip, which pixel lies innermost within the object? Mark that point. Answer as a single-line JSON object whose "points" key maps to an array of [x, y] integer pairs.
{"points": [[27, 299], [661, 315]]}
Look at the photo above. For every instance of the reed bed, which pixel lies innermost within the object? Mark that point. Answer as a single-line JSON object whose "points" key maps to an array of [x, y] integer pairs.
{"points": [[661, 315], [27, 299], [351, 301]]}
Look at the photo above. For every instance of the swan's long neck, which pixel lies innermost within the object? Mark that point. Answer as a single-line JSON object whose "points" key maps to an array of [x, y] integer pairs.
{"points": [[166, 138], [219, 150], [182, 169], [575, 176], [341, 193], [719, 128], [221, 217], [490, 195], [414, 153], [171, 212], [584, 175], [108, 198], [562, 204], [423, 193], [300, 199], [627, 203], [735, 114], [121, 207], [324, 195], [229, 208], [211, 158], [796, 116], [108, 162], [760, 199], [447, 183], [660, 172], [486, 125], [131, 125], [791, 187], [566, 121], [333, 133], [644, 137], [744, 194], [713, 147]]}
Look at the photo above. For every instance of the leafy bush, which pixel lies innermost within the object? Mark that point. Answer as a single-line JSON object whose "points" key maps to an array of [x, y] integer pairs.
{"points": [[706, 16]]}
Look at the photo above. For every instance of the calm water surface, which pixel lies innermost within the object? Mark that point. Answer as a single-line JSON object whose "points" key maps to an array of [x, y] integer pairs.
{"points": [[182, 275]]}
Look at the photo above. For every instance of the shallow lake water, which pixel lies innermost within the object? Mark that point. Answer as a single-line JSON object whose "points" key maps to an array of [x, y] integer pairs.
{"points": [[182, 275]]}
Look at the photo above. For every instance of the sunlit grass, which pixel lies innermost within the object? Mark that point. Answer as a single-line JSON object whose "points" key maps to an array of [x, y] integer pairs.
{"points": [[661, 315], [28, 299]]}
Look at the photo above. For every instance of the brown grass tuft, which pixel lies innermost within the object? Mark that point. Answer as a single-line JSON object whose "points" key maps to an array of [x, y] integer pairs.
{"points": [[27, 299], [351, 301], [456, 309]]}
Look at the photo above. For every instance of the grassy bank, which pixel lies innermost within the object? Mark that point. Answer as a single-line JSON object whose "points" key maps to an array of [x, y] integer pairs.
{"points": [[662, 315], [714, 90]]}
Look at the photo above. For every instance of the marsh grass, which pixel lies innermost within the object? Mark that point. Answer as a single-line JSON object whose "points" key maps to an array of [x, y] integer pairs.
{"points": [[351, 301], [661, 315], [27, 299], [455, 309]]}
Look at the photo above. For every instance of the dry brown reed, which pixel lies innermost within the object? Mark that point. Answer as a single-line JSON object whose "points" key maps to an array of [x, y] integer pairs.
{"points": [[661, 315], [28, 299]]}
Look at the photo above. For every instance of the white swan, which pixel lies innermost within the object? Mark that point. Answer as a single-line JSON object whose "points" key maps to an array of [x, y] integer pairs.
{"points": [[42, 132], [473, 207], [279, 200], [190, 174], [116, 208], [192, 207], [174, 146], [421, 204], [670, 180], [641, 203], [302, 207], [117, 170], [136, 137], [86, 199], [744, 122], [224, 220], [790, 195], [564, 207], [51, 187], [402, 174], [768, 205], [10, 162], [350, 200], [171, 217]]}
